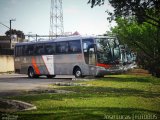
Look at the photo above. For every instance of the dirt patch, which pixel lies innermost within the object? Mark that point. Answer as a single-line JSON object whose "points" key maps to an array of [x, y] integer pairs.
{"points": [[7, 106], [139, 72], [52, 91], [70, 84]]}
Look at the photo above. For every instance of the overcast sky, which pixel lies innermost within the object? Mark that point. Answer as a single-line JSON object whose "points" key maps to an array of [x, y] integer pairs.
{"points": [[33, 16]]}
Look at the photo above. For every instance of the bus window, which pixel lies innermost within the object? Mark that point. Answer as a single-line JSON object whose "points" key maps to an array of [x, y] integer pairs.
{"points": [[29, 49], [103, 51], [62, 47], [111, 42], [19, 51], [39, 50], [74, 46], [50, 48], [86, 43], [116, 52]]}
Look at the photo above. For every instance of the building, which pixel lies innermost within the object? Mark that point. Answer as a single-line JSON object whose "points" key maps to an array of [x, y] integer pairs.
{"points": [[6, 47], [5, 41]]}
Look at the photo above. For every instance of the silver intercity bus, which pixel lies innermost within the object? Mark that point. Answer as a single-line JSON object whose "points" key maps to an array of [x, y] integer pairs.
{"points": [[75, 55]]}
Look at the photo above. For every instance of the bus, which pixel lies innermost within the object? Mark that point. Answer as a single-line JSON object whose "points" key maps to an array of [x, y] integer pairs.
{"points": [[73, 55]]}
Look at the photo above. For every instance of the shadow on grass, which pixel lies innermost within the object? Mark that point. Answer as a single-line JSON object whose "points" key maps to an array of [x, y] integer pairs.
{"points": [[129, 79], [87, 113], [89, 92], [132, 78], [113, 92]]}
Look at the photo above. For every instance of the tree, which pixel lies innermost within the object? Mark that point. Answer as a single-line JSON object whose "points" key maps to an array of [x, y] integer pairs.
{"points": [[19, 33], [143, 10], [144, 39]]}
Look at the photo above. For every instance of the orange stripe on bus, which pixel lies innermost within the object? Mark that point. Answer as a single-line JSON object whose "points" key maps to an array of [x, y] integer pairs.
{"points": [[35, 66], [103, 65]]}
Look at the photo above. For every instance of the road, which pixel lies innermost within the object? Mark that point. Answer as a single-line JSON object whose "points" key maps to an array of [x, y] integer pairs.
{"points": [[11, 83]]}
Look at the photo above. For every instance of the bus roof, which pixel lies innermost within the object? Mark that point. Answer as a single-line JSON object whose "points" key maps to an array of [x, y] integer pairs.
{"points": [[58, 39]]}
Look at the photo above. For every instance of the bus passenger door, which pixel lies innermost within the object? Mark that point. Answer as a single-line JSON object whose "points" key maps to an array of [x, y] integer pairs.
{"points": [[92, 60]]}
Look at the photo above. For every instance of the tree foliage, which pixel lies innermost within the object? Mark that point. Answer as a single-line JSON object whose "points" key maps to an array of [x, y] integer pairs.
{"points": [[144, 38], [19, 33], [138, 27], [143, 10]]}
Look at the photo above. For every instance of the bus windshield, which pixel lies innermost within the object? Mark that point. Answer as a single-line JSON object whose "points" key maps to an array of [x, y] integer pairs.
{"points": [[104, 55], [115, 49], [116, 53], [108, 50]]}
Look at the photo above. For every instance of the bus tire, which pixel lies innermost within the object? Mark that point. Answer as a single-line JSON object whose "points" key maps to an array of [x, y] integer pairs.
{"points": [[78, 72], [31, 73], [51, 76]]}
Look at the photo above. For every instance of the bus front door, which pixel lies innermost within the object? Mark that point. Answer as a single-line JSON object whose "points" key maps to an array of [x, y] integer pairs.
{"points": [[92, 61]]}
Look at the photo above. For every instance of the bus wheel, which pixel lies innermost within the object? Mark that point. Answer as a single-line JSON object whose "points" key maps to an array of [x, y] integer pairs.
{"points": [[78, 72], [51, 76], [31, 73]]}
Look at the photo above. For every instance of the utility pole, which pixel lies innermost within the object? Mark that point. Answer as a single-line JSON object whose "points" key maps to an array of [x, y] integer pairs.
{"points": [[56, 19], [10, 22]]}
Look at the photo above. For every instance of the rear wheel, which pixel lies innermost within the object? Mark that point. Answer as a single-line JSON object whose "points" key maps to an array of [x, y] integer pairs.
{"points": [[31, 73], [78, 72]]}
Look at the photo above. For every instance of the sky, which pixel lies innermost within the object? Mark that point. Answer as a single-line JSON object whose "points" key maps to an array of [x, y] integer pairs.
{"points": [[33, 16]]}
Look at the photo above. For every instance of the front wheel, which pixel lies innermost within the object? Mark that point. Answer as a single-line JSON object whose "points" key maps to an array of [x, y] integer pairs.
{"points": [[78, 73]]}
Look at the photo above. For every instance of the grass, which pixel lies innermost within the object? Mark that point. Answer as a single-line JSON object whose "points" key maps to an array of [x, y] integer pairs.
{"points": [[113, 97]]}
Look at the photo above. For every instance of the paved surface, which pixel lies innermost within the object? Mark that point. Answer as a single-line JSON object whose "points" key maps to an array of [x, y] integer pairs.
{"points": [[10, 83]]}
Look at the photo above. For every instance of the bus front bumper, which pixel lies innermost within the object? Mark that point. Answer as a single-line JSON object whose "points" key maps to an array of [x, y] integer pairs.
{"points": [[101, 71]]}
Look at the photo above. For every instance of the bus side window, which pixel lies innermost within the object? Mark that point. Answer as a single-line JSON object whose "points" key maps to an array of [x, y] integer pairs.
{"points": [[20, 51], [39, 50], [86, 43], [75, 46], [50, 48], [16, 51], [29, 49], [62, 47]]}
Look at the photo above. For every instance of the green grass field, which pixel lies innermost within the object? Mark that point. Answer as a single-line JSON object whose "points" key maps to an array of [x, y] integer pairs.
{"points": [[129, 97]]}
